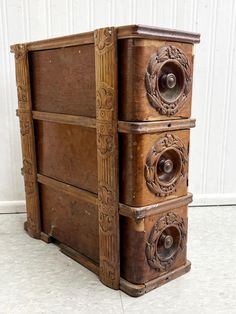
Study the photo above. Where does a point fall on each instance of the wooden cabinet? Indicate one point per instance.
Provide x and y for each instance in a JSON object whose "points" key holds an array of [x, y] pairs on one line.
{"points": [[105, 128]]}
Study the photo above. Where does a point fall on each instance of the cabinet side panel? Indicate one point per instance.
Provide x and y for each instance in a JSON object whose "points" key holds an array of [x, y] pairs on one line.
{"points": [[63, 80], [70, 220], [67, 153]]}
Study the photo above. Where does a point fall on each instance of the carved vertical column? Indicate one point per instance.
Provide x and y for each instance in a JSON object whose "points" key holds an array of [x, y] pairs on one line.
{"points": [[24, 112], [107, 150]]}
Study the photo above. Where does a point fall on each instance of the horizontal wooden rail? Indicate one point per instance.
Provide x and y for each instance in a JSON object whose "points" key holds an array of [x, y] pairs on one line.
{"points": [[123, 32], [65, 119], [67, 188], [141, 212], [123, 126], [155, 126]]}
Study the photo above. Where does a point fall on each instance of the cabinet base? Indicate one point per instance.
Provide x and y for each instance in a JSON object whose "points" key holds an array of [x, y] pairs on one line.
{"points": [[136, 290]]}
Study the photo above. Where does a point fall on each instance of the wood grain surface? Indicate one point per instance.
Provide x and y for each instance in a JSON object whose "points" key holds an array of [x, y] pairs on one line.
{"points": [[33, 223], [63, 80], [107, 155], [135, 235], [134, 190], [105, 149], [134, 57], [67, 153]]}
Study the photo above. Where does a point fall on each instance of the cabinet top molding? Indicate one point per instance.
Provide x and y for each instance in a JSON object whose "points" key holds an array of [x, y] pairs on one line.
{"points": [[127, 31]]}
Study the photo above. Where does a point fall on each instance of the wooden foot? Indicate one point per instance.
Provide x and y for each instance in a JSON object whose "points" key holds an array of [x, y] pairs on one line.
{"points": [[30, 232], [45, 237]]}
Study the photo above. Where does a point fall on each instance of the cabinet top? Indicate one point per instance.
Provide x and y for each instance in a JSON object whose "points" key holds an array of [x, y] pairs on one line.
{"points": [[123, 32]]}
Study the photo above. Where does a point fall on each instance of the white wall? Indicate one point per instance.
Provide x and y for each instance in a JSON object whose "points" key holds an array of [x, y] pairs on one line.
{"points": [[213, 146]]}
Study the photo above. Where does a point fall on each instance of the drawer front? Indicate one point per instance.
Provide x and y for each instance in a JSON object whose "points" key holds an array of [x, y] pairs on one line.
{"points": [[67, 153], [155, 80], [154, 245], [154, 167], [70, 220]]}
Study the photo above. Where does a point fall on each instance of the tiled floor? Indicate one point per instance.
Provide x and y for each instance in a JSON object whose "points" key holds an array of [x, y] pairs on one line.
{"points": [[36, 278]]}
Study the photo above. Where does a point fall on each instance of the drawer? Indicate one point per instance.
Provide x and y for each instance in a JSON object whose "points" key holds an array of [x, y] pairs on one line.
{"points": [[155, 79], [153, 245], [154, 167]]}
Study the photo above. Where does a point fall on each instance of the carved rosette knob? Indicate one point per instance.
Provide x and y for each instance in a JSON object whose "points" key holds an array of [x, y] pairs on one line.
{"points": [[167, 239], [166, 165], [168, 80]]}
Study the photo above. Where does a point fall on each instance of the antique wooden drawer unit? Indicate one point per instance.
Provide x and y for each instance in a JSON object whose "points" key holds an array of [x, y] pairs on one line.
{"points": [[105, 120]]}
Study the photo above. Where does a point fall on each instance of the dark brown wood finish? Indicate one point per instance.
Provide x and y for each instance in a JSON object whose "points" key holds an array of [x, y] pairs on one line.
{"points": [[69, 189], [125, 215], [63, 80], [61, 154], [70, 220], [154, 126], [149, 210], [143, 256], [140, 158], [136, 290], [64, 119], [135, 71]]}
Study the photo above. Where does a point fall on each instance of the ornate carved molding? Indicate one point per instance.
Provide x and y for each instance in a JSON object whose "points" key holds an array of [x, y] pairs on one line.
{"points": [[20, 51], [172, 57], [22, 93], [171, 146], [104, 38], [167, 239], [27, 167], [104, 138], [27, 139], [107, 155], [24, 127]]}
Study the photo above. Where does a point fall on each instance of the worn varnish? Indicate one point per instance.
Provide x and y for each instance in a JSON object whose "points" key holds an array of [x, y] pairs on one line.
{"points": [[105, 122], [140, 61], [143, 180], [59, 83]]}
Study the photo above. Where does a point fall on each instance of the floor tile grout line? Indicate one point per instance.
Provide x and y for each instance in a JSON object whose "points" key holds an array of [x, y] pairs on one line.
{"points": [[16, 213], [121, 301]]}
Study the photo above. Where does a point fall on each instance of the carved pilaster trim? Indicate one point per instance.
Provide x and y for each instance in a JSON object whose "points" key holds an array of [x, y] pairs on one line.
{"points": [[174, 56], [27, 140], [107, 155]]}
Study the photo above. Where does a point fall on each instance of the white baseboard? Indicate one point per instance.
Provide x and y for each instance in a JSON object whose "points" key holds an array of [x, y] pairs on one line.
{"points": [[219, 199], [11, 207], [8, 207]]}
